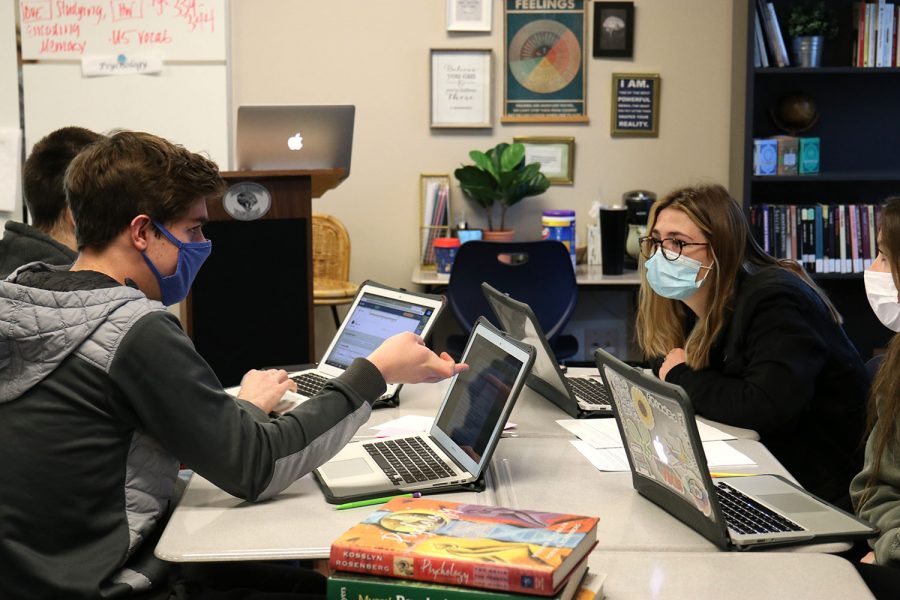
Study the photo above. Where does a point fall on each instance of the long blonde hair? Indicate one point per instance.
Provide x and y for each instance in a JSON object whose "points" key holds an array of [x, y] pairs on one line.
{"points": [[660, 321], [884, 396]]}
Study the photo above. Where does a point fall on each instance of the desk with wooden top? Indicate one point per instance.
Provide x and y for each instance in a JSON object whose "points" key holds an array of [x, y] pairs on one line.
{"points": [[587, 276]]}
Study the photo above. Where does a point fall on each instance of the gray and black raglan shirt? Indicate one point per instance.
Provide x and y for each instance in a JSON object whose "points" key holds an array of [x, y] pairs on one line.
{"points": [[101, 396]]}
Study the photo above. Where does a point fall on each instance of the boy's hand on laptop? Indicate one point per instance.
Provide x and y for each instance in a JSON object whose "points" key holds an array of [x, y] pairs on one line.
{"points": [[264, 389], [404, 358]]}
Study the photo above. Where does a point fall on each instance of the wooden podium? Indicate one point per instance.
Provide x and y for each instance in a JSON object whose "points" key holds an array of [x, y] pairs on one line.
{"points": [[251, 304]]}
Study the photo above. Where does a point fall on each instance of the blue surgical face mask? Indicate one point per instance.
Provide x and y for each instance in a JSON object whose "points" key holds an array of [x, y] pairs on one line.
{"points": [[191, 256], [674, 279]]}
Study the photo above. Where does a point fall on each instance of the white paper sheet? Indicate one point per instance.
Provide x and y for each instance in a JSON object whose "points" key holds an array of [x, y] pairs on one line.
{"points": [[604, 433], [409, 424], [718, 454]]}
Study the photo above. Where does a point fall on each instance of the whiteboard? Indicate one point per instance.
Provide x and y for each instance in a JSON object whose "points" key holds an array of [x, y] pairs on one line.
{"points": [[186, 104], [70, 29]]}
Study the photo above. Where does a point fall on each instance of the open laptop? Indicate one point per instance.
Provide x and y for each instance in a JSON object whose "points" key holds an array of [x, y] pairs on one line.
{"points": [[456, 451], [377, 313], [668, 467], [294, 137], [578, 396]]}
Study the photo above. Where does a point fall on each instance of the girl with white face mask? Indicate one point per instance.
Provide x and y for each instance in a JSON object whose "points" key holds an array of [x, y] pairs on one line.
{"points": [[751, 338], [876, 489]]}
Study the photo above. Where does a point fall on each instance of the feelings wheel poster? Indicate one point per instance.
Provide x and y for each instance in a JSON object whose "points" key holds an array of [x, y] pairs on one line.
{"points": [[545, 61]]}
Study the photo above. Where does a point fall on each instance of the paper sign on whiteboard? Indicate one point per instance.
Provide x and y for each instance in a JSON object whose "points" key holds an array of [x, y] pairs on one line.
{"points": [[10, 151], [121, 64]]}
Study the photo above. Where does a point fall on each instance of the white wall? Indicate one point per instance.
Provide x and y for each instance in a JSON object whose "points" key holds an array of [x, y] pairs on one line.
{"points": [[9, 90], [375, 54]]}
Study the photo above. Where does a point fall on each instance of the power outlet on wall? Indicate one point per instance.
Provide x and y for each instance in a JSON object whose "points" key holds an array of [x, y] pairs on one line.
{"points": [[609, 336]]}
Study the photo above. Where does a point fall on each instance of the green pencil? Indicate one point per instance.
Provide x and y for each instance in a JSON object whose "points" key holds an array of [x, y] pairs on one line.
{"points": [[372, 501]]}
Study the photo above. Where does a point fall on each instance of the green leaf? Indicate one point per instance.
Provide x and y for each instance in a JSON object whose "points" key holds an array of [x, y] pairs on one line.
{"points": [[512, 157]]}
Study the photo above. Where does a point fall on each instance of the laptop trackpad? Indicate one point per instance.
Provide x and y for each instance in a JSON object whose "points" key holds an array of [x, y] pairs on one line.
{"points": [[791, 503], [345, 468]]}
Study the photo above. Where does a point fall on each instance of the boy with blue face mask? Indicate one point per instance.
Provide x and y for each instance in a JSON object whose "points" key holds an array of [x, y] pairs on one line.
{"points": [[102, 395], [750, 338]]}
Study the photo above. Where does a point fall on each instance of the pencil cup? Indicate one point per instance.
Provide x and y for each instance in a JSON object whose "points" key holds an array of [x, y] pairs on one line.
{"points": [[444, 253]]}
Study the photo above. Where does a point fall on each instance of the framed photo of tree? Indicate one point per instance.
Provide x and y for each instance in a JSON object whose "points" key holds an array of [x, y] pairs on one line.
{"points": [[613, 29]]}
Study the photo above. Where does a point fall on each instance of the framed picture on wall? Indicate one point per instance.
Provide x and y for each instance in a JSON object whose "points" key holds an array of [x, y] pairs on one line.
{"points": [[544, 80], [635, 105], [469, 15], [613, 29], [555, 154], [461, 88]]}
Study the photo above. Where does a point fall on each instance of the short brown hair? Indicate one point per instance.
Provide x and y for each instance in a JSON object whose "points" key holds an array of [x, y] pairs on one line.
{"points": [[132, 173], [45, 170]]}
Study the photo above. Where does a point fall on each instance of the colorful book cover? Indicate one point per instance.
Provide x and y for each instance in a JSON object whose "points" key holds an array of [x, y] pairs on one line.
{"points": [[467, 545], [809, 155], [354, 586]]}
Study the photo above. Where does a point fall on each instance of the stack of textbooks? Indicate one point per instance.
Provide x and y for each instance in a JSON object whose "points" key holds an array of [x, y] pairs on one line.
{"points": [[426, 549]]}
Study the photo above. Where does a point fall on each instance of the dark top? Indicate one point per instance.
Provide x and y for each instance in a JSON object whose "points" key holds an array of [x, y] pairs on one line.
{"points": [[22, 244], [784, 368]]}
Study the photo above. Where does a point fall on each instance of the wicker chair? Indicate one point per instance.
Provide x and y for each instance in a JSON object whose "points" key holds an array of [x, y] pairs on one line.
{"points": [[331, 264]]}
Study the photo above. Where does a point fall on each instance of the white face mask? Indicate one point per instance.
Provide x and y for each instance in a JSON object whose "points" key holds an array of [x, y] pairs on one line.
{"points": [[882, 294]]}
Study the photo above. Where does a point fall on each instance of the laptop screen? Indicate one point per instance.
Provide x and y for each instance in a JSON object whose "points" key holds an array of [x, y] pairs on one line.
{"points": [[471, 412], [375, 319], [657, 441]]}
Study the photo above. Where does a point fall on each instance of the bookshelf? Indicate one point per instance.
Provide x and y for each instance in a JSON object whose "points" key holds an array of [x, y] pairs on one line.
{"points": [[857, 123]]}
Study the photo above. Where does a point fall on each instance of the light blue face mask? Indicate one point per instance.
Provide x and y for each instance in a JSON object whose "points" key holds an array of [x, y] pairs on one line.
{"points": [[674, 279], [191, 255]]}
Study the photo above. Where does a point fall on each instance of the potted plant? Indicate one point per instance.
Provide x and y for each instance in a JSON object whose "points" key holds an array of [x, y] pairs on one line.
{"points": [[809, 24], [500, 176]]}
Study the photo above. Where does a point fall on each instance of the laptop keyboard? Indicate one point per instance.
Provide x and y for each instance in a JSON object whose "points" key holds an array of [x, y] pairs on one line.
{"points": [[407, 460], [309, 384], [745, 515], [590, 390]]}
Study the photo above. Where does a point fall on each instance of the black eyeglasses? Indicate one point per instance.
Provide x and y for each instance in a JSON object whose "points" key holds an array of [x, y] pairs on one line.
{"points": [[671, 247]]}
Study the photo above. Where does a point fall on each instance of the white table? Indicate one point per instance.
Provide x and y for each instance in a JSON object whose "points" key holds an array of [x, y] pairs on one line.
{"points": [[727, 576]]}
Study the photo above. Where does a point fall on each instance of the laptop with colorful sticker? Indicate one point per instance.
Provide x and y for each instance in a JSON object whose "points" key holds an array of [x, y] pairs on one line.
{"points": [[657, 424]]}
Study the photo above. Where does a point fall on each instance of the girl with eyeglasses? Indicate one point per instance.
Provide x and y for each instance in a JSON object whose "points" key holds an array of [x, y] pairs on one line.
{"points": [[753, 341]]}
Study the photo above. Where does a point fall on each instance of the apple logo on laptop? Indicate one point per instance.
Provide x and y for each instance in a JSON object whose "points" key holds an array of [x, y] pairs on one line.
{"points": [[295, 142]]}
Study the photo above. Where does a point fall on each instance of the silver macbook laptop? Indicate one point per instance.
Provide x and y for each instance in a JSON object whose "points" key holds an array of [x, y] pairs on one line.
{"points": [[578, 396], [668, 467], [294, 137], [458, 448], [377, 313]]}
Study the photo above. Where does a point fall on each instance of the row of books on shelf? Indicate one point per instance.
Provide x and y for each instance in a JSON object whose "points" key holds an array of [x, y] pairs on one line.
{"points": [[824, 238], [786, 155], [769, 48], [875, 27], [427, 549]]}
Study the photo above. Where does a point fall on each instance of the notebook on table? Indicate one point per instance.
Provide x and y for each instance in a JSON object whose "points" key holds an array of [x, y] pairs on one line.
{"points": [[578, 396], [294, 137], [659, 431], [457, 449], [377, 313]]}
